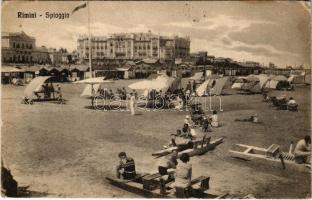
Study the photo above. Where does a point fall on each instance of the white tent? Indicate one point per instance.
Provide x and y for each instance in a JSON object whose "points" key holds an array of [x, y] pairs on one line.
{"points": [[88, 90], [197, 76], [202, 89], [93, 84], [35, 86], [217, 83], [218, 87], [296, 79], [162, 83], [239, 82], [262, 79], [274, 80]]}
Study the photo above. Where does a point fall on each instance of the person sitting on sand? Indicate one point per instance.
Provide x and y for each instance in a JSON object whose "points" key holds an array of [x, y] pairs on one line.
{"points": [[266, 97], [126, 167], [59, 91], [173, 137], [197, 113], [302, 150], [186, 131], [214, 119], [292, 104], [187, 120], [205, 124]]}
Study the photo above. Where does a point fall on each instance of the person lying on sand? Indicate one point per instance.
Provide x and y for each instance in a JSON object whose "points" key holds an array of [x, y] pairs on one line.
{"points": [[252, 119]]}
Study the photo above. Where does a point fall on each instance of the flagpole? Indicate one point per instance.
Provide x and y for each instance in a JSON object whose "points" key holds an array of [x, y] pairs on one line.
{"points": [[89, 32]]}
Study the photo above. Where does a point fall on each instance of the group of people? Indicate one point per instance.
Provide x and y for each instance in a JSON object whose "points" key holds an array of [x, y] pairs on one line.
{"points": [[282, 102], [190, 89], [122, 93], [49, 91], [199, 118], [170, 167]]}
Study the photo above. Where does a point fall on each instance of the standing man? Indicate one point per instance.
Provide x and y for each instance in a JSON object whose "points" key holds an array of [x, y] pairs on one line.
{"points": [[59, 91], [303, 150], [194, 87], [126, 167], [132, 103], [124, 93]]}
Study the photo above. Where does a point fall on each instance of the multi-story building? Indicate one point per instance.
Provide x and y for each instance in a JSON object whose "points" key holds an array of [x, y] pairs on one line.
{"points": [[134, 46], [41, 55], [17, 47], [252, 64], [55, 56]]}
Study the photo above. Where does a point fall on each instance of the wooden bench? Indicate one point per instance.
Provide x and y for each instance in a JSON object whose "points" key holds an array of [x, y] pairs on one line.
{"points": [[288, 156], [272, 151], [194, 190], [151, 182]]}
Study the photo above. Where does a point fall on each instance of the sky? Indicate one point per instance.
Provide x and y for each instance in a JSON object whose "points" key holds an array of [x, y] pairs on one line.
{"points": [[262, 31]]}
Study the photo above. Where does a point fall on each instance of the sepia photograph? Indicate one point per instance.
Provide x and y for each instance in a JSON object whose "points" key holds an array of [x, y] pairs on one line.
{"points": [[156, 99]]}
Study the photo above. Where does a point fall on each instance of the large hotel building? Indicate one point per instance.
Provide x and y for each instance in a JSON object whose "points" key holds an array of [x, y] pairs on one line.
{"points": [[134, 46]]}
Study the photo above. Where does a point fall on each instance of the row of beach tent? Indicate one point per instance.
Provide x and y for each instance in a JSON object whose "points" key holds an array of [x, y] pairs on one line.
{"points": [[256, 83]]}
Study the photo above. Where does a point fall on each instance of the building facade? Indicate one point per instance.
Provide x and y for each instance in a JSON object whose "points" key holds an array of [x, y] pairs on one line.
{"points": [[41, 55], [17, 47], [134, 46], [55, 56]]}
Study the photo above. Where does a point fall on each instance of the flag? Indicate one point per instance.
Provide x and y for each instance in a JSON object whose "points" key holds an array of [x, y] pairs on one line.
{"points": [[79, 7]]}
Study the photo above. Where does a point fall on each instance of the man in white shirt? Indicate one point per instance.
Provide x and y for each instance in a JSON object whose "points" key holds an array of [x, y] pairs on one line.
{"points": [[291, 101], [183, 175], [292, 104]]}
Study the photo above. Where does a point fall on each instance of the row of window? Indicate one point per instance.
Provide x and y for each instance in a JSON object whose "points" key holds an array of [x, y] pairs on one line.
{"points": [[22, 46], [18, 58]]}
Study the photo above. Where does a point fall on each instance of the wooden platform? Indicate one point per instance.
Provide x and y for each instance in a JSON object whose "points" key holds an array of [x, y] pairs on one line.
{"points": [[283, 160], [152, 186], [200, 147]]}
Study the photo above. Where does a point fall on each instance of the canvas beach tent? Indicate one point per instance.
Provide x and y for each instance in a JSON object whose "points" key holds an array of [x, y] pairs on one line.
{"points": [[92, 84], [162, 83], [250, 82], [263, 78], [296, 79], [214, 85], [238, 83], [197, 77], [259, 85], [273, 81], [35, 85], [176, 84], [87, 92], [220, 83]]}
